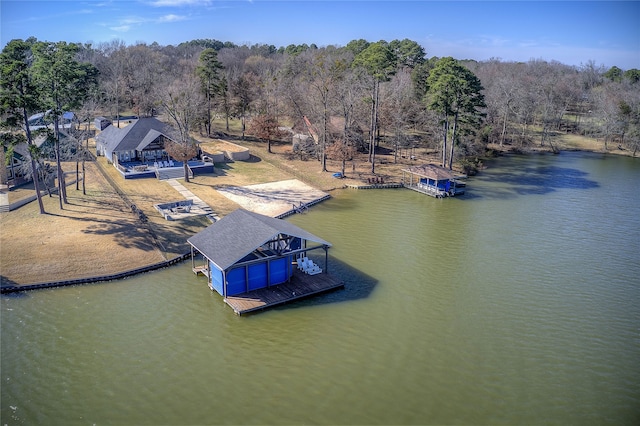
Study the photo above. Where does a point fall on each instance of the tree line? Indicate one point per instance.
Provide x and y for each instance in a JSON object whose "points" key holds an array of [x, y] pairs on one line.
{"points": [[353, 98]]}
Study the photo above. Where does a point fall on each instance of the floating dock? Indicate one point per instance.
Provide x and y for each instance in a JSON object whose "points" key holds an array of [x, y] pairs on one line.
{"points": [[299, 286]]}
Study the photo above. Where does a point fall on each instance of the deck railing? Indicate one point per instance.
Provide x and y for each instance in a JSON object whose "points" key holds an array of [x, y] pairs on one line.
{"points": [[429, 190]]}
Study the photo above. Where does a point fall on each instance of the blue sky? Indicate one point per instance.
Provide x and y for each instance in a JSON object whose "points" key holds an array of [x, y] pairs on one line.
{"points": [[572, 32]]}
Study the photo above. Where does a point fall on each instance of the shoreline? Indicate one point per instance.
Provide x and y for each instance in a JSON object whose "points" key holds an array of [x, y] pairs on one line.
{"points": [[5, 289], [64, 278]]}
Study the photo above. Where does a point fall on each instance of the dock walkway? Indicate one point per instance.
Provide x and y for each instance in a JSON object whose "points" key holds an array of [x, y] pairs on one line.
{"points": [[374, 186], [300, 286]]}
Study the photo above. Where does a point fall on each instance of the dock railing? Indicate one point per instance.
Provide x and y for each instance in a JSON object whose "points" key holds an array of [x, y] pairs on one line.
{"points": [[434, 191]]}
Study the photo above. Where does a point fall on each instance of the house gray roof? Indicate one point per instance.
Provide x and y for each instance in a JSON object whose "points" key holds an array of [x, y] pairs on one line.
{"points": [[150, 137], [42, 139], [135, 136], [236, 235], [107, 134]]}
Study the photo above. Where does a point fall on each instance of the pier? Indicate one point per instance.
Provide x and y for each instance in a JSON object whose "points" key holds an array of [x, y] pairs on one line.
{"points": [[299, 286]]}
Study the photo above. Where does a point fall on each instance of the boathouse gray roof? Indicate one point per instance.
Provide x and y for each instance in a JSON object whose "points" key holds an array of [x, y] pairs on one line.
{"points": [[236, 235], [431, 171], [135, 136]]}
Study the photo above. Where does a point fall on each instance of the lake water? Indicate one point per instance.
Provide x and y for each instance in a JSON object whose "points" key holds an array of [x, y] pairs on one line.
{"points": [[518, 303]]}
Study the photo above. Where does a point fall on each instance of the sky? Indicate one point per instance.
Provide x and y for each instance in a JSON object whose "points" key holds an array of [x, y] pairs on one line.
{"points": [[606, 33]]}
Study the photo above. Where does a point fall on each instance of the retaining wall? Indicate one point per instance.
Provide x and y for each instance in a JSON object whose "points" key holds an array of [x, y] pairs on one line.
{"points": [[90, 280], [242, 154]]}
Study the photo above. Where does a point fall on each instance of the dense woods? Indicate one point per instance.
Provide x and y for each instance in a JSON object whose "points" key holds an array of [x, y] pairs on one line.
{"points": [[355, 98]]}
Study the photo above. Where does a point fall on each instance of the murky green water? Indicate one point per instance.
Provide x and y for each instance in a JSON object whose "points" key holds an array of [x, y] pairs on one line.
{"points": [[518, 303]]}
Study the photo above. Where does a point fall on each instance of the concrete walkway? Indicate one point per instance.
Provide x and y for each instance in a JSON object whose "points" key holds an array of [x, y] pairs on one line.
{"points": [[4, 199], [198, 204]]}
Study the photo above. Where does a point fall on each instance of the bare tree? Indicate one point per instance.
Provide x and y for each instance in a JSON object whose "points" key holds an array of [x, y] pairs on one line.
{"points": [[143, 68], [183, 102], [400, 110], [341, 151], [379, 61], [112, 65], [267, 128], [326, 70]]}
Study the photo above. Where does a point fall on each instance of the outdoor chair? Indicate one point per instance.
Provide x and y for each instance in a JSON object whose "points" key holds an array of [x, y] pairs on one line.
{"points": [[312, 268], [314, 271], [303, 263]]}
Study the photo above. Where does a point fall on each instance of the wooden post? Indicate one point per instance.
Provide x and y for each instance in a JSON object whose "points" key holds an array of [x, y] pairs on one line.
{"points": [[224, 283], [326, 259]]}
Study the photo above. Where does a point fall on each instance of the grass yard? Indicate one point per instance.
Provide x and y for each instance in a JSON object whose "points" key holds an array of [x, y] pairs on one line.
{"points": [[94, 235]]}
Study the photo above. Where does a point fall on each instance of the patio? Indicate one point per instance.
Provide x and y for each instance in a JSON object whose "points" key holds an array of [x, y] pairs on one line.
{"points": [[150, 169]]}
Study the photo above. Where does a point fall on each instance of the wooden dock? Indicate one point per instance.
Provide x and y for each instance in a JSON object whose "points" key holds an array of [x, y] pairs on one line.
{"points": [[300, 286], [435, 191], [374, 186]]}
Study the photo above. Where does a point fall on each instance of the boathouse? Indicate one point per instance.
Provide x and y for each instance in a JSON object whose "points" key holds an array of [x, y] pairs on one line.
{"points": [[256, 261], [433, 180]]}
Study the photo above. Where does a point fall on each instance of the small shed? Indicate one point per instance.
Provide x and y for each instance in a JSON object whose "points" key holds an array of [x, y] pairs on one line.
{"points": [[245, 252], [433, 180], [101, 123]]}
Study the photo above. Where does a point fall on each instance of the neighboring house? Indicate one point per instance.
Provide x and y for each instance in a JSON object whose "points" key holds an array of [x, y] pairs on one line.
{"points": [[19, 166], [245, 252], [140, 141], [47, 145], [42, 120], [306, 135], [15, 166]]}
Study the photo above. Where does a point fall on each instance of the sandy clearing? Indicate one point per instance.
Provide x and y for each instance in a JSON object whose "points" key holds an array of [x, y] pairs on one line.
{"points": [[274, 198]]}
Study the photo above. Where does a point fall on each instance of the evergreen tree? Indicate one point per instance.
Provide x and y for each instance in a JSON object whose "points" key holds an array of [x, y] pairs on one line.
{"points": [[456, 94], [63, 84], [18, 96]]}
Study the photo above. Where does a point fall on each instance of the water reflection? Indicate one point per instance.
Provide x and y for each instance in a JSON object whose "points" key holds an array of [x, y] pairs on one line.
{"points": [[519, 177]]}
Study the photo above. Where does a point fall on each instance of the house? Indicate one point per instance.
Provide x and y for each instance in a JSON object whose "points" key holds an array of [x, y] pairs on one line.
{"points": [[255, 261], [18, 167], [137, 151], [433, 180], [140, 141]]}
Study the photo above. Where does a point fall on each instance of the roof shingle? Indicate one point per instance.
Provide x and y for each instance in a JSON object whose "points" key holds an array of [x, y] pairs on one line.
{"points": [[236, 235]]}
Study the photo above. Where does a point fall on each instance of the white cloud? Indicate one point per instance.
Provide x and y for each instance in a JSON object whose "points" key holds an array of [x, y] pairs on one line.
{"points": [[134, 20], [171, 18], [121, 28], [174, 3], [130, 22]]}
